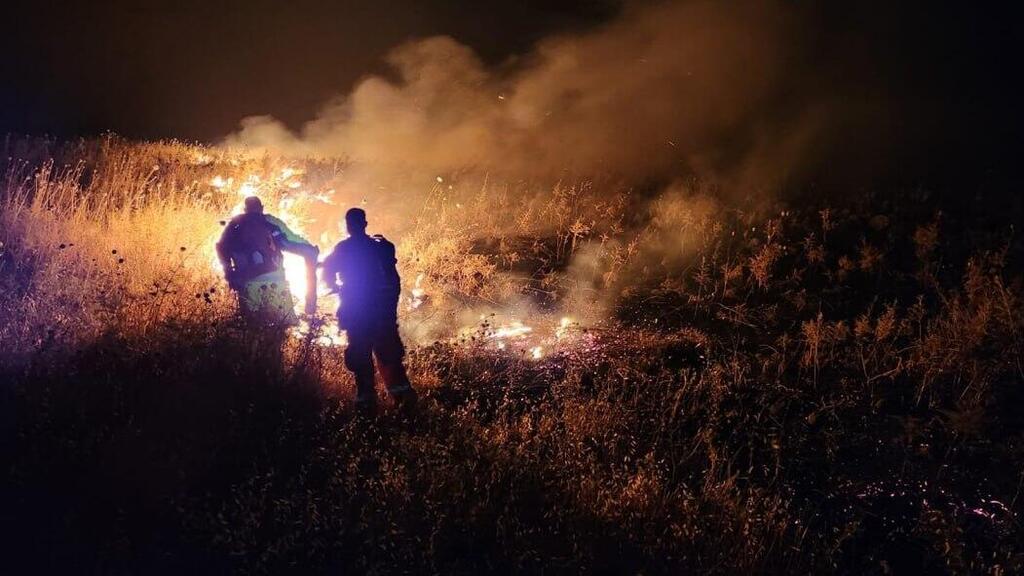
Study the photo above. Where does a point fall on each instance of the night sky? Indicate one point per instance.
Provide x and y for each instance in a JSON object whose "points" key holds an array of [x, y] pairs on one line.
{"points": [[192, 70]]}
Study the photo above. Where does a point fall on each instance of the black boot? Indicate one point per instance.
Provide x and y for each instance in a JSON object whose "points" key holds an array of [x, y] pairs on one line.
{"points": [[366, 409], [406, 402]]}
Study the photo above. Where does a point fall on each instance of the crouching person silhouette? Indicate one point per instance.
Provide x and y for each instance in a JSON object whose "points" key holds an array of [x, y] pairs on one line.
{"points": [[369, 289]]}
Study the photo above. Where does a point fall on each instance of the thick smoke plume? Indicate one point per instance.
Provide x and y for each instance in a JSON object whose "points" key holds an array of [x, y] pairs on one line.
{"points": [[684, 88], [594, 164]]}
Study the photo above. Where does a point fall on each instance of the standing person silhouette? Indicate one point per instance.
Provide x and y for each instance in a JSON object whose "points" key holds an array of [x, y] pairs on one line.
{"points": [[369, 289]]}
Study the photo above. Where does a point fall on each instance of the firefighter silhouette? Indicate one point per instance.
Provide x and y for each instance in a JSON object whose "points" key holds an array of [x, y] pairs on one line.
{"points": [[369, 289], [250, 250]]}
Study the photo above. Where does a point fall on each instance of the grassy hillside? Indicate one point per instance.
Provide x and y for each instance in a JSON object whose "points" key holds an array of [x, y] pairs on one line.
{"points": [[740, 384]]}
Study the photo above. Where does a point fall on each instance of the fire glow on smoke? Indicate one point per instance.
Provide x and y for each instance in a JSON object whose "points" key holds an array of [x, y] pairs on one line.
{"points": [[286, 197]]}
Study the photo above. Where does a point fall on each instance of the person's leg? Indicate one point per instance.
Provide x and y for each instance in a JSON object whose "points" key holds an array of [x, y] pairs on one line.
{"points": [[250, 300], [268, 300], [265, 337], [359, 360], [279, 307], [390, 352]]}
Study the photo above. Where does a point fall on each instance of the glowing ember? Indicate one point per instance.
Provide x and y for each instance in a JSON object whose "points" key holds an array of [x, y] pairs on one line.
{"points": [[321, 335], [527, 342], [202, 159], [327, 196], [418, 294], [513, 330], [249, 187], [565, 326]]}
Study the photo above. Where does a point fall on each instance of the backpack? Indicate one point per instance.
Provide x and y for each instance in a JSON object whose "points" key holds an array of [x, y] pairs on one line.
{"points": [[389, 271], [254, 248]]}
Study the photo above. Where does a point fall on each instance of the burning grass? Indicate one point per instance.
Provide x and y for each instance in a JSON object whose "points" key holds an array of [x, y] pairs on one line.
{"points": [[611, 382]]}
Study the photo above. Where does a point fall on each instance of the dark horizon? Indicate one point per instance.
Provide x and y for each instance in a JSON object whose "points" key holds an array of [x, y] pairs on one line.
{"points": [[193, 71]]}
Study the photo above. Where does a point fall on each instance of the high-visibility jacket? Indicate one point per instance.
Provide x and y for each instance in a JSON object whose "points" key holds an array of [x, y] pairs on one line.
{"points": [[252, 245], [250, 250]]}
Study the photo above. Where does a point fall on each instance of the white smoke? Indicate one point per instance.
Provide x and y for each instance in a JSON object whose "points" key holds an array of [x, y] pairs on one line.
{"points": [[667, 89]]}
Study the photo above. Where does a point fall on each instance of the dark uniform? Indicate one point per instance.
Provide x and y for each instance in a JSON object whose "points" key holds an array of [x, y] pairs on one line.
{"points": [[369, 291]]}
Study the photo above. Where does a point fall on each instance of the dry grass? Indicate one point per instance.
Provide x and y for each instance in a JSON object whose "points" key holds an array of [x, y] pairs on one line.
{"points": [[776, 391]]}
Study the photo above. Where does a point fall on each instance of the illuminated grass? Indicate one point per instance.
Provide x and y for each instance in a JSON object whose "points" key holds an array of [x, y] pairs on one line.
{"points": [[748, 388]]}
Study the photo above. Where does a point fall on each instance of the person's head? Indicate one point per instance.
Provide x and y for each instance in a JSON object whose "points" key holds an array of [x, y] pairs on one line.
{"points": [[355, 221], [253, 205]]}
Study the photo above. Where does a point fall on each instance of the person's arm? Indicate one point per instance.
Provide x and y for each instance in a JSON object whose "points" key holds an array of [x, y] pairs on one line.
{"points": [[331, 270], [222, 249], [292, 242], [224, 253]]}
